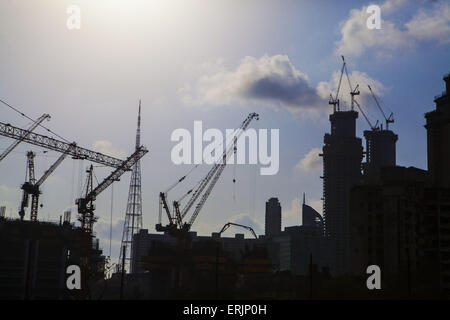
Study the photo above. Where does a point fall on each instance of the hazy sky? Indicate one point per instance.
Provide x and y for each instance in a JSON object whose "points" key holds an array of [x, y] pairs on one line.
{"points": [[214, 61]]}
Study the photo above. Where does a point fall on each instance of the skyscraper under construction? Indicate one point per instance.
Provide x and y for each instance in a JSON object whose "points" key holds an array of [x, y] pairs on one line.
{"points": [[342, 156]]}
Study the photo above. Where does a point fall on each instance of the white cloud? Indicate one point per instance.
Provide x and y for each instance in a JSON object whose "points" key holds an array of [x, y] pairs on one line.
{"points": [[427, 24], [106, 147], [431, 24], [311, 161], [270, 80]]}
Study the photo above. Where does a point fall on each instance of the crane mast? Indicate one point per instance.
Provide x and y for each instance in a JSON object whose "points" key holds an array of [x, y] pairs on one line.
{"points": [[32, 187]]}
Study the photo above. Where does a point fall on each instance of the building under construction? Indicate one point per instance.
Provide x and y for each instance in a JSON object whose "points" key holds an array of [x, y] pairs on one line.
{"points": [[342, 155], [34, 257], [207, 264]]}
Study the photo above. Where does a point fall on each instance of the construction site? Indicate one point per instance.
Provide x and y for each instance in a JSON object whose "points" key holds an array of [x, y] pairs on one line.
{"points": [[323, 257]]}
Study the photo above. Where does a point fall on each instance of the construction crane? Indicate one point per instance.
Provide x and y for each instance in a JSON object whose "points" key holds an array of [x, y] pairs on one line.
{"points": [[177, 225], [372, 127], [335, 100], [229, 224], [86, 204], [389, 119], [76, 152], [27, 132], [31, 187], [354, 92]]}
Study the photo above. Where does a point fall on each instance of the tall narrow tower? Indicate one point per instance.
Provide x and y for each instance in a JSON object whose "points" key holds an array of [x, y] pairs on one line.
{"points": [[342, 155], [133, 217]]}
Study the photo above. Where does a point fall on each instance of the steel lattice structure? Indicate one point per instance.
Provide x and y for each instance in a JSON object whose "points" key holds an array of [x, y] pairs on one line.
{"points": [[133, 214], [71, 149]]}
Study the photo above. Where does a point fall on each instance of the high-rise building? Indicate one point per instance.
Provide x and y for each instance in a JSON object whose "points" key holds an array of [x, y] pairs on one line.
{"points": [[342, 156], [273, 217], [438, 139]]}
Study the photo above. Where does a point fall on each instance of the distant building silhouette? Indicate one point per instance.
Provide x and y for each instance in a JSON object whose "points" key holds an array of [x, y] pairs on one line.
{"points": [[292, 248], [273, 217], [342, 156], [310, 217]]}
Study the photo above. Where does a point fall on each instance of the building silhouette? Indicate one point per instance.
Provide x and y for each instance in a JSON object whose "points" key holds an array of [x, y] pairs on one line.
{"points": [[34, 256], [400, 217], [436, 201], [273, 217], [438, 139], [311, 218], [380, 152], [297, 247], [342, 156]]}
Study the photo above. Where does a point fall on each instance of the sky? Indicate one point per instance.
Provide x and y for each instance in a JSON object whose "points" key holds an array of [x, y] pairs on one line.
{"points": [[214, 61]]}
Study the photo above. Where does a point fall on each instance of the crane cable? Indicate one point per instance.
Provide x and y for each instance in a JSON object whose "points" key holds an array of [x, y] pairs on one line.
{"points": [[40, 125]]}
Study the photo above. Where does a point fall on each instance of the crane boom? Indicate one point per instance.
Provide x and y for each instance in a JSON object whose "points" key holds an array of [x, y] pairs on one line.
{"points": [[387, 119], [335, 101], [52, 168], [227, 225], [365, 117], [18, 141], [214, 174], [127, 165], [76, 152], [86, 205]]}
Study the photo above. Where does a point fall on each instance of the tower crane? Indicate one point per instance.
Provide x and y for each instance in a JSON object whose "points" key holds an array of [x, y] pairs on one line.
{"points": [[389, 119], [177, 226], [355, 92], [335, 100], [26, 133], [31, 187], [86, 206]]}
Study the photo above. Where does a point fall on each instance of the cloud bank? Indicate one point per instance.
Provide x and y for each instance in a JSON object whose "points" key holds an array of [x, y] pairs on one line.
{"points": [[270, 80], [427, 24]]}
